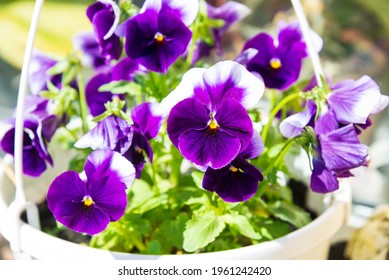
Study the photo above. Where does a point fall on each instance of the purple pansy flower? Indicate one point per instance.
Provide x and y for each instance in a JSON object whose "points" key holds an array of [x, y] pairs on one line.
{"points": [[336, 153], [123, 70], [278, 61], [39, 127], [92, 54], [158, 35], [147, 122], [230, 12], [87, 202], [237, 181], [349, 102], [104, 16], [208, 121], [38, 76], [112, 133]]}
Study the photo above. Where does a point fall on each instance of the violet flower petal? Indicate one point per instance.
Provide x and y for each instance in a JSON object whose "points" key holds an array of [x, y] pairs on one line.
{"points": [[145, 117], [294, 124], [203, 148], [234, 119], [341, 149], [322, 179], [186, 115], [108, 163], [353, 101], [74, 216], [254, 148]]}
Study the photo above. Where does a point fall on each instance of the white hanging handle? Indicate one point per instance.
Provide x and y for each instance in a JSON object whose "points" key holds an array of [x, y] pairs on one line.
{"points": [[307, 34], [20, 203]]}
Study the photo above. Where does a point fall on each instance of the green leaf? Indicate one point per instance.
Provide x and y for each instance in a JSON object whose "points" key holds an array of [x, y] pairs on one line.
{"points": [[289, 213], [198, 178], [153, 248], [202, 229], [122, 87], [242, 224]]}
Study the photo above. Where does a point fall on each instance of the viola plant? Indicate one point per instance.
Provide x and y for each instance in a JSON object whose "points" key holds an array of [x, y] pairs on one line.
{"points": [[176, 148]]}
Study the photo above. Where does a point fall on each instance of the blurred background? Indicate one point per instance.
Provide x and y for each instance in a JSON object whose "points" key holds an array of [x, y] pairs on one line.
{"points": [[356, 43]]}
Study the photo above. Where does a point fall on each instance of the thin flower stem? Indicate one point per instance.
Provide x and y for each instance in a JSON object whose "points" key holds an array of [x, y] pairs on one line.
{"points": [[280, 156], [83, 106], [274, 112]]}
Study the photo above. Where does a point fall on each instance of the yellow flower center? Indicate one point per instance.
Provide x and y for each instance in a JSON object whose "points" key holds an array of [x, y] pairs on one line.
{"points": [[159, 37], [115, 99], [88, 201], [213, 124], [234, 169], [138, 150], [275, 63]]}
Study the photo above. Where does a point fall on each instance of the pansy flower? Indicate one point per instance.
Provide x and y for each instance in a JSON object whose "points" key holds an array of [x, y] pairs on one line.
{"points": [[39, 127], [279, 60], [237, 181], [38, 73], [158, 35], [349, 102], [88, 202], [112, 133], [104, 16], [147, 122], [335, 154], [123, 70], [230, 12], [208, 121], [92, 55]]}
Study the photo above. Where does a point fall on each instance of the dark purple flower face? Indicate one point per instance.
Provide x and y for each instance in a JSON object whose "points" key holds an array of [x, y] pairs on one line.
{"points": [[235, 182], [156, 37], [278, 64], [112, 133], [86, 203], [238, 181], [211, 126], [35, 153], [104, 16]]}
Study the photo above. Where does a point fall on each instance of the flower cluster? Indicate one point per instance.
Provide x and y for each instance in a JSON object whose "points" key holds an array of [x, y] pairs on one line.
{"points": [[165, 140]]}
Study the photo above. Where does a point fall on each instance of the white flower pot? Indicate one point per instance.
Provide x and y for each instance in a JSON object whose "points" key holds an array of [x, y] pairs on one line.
{"points": [[310, 242]]}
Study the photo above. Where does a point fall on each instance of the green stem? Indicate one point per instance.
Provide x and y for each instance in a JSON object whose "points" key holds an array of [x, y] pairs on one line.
{"points": [[280, 156], [83, 106], [274, 112]]}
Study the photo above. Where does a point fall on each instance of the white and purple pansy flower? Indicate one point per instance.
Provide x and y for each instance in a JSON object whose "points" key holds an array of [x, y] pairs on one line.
{"points": [[354, 101], [208, 121], [112, 133], [124, 70], [237, 181], [38, 72], [279, 60], [147, 123], [88, 202], [104, 16], [158, 35], [39, 127]]}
